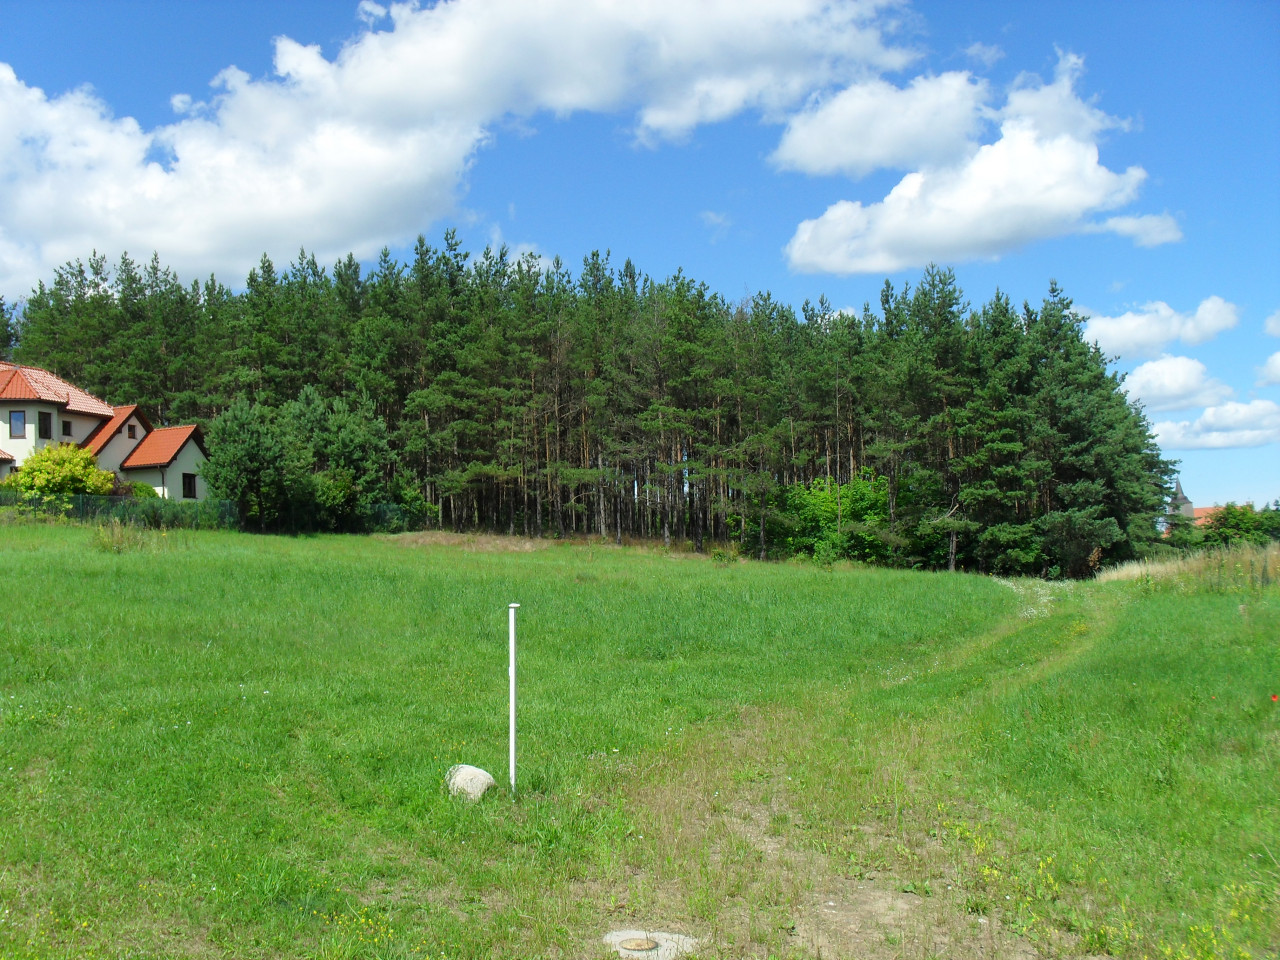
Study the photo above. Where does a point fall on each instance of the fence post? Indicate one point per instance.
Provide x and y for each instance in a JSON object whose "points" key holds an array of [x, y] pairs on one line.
{"points": [[511, 669]]}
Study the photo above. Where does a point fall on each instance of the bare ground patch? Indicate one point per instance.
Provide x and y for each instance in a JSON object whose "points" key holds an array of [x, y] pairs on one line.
{"points": [[471, 542], [730, 856], [518, 543]]}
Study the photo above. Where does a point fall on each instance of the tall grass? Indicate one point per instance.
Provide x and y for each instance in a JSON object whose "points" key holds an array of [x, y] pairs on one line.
{"points": [[1241, 566]]}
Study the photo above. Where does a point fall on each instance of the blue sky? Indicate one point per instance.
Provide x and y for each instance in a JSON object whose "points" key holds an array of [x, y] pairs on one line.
{"points": [[1129, 151]]}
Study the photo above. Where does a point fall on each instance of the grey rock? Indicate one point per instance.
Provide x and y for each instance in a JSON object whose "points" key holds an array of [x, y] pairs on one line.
{"points": [[468, 781]]}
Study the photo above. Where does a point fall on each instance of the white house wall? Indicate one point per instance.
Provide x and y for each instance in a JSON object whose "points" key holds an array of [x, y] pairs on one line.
{"points": [[120, 446], [188, 460], [167, 481], [21, 448]]}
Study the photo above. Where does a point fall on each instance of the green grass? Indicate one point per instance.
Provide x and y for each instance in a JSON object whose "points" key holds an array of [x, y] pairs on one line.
{"points": [[216, 744]]}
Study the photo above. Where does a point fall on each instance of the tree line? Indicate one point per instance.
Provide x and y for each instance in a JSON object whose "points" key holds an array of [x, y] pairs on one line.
{"points": [[491, 393]]}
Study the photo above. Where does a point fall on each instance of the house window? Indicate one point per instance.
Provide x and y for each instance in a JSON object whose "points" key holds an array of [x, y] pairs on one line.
{"points": [[17, 424], [66, 428], [133, 432], [44, 425], [188, 486]]}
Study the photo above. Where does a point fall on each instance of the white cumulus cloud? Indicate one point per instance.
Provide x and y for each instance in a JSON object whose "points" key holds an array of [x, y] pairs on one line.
{"points": [[1232, 424], [1272, 324], [370, 147], [1041, 178], [1175, 383], [873, 125], [370, 12], [1148, 230], [1153, 326], [1270, 372]]}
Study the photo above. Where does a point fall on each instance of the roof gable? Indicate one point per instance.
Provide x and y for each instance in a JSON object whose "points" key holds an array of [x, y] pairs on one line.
{"points": [[31, 383], [159, 447], [14, 387], [104, 431]]}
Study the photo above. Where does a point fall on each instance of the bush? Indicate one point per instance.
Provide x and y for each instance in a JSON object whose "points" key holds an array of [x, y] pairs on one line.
{"points": [[831, 522], [1235, 524], [54, 474]]}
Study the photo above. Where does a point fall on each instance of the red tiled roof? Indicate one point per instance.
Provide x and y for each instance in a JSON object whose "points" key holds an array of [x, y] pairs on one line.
{"points": [[159, 447], [6, 456], [32, 383], [104, 431], [1202, 514], [14, 387]]}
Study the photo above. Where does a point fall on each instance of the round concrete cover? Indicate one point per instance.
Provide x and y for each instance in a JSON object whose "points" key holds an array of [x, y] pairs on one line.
{"points": [[666, 946]]}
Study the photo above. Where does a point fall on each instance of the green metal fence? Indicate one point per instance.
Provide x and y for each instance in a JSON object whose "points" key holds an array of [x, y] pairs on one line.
{"points": [[148, 512]]}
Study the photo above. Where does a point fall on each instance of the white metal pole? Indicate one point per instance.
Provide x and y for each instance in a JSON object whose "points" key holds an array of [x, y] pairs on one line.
{"points": [[511, 671]]}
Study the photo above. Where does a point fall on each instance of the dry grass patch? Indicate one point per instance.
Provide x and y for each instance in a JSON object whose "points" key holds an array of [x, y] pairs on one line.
{"points": [[517, 543], [1241, 566], [471, 542]]}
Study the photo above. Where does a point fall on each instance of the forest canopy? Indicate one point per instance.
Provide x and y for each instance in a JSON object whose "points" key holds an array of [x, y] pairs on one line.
{"points": [[490, 393]]}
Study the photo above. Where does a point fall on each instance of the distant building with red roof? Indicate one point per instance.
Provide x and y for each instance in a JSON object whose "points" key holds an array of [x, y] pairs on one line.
{"points": [[1204, 514], [39, 409]]}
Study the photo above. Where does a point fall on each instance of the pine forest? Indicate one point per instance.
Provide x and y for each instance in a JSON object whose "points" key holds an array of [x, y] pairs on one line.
{"points": [[499, 394]]}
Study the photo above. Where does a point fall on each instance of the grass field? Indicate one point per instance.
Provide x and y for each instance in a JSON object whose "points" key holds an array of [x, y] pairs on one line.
{"points": [[223, 745]]}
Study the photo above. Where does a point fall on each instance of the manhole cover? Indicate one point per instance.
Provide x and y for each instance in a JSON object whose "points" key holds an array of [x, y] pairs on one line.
{"points": [[650, 944]]}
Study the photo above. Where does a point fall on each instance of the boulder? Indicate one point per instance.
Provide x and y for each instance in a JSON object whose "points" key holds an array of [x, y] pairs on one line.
{"points": [[468, 781]]}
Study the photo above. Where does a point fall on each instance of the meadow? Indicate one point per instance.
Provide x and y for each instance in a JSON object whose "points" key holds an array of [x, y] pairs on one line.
{"points": [[216, 744]]}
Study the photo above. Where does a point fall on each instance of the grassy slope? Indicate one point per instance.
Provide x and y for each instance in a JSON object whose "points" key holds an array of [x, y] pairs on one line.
{"points": [[235, 745]]}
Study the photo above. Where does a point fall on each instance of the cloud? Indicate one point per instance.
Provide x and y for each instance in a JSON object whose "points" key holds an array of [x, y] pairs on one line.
{"points": [[1149, 230], [370, 147], [1270, 371], [717, 224], [516, 251], [1272, 324], [1175, 383], [1232, 424], [1041, 178], [986, 54], [1153, 326], [875, 124], [370, 13]]}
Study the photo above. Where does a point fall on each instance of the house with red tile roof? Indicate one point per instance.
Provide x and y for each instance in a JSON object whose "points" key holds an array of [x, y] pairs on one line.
{"points": [[39, 408], [169, 459]]}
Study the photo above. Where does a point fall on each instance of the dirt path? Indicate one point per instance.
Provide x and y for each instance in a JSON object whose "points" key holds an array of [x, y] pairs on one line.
{"points": [[737, 857]]}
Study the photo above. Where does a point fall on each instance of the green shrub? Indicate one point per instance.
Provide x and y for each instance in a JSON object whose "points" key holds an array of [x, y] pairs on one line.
{"points": [[54, 474]]}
